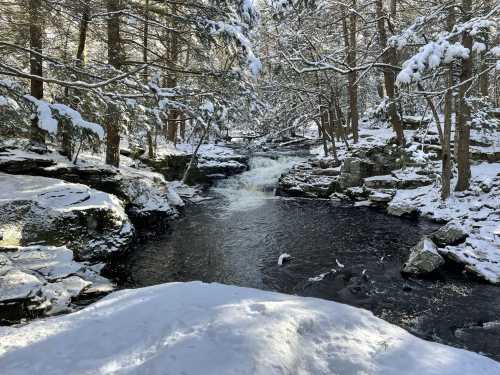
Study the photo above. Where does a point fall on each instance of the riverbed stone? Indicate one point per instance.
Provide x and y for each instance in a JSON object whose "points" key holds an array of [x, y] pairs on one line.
{"points": [[424, 258], [449, 235]]}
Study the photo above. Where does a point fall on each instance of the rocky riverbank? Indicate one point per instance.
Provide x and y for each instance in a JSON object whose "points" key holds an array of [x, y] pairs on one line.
{"points": [[61, 222], [406, 182]]}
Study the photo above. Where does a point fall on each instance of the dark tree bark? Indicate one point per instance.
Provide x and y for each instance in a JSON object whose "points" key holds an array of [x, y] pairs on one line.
{"points": [[464, 112], [390, 58], [173, 114], [448, 110], [82, 32], [145, 45], [350, 43], [484, 83], [115, 60], [36, 64]]}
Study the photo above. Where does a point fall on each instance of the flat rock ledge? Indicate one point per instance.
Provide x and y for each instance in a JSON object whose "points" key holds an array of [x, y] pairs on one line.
{"points": [[148, 200], [44, 280], [206, 168]]}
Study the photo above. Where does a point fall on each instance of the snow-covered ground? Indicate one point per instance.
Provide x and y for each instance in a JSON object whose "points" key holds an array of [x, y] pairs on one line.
{"points": [[477, 211], [195, 328]]}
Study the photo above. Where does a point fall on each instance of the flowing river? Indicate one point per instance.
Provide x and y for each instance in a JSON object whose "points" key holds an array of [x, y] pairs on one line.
{"points": [[338, 252]]}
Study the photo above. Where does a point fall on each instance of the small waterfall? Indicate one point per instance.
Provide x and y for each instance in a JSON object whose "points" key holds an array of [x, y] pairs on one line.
{"points": [[251, 188]]}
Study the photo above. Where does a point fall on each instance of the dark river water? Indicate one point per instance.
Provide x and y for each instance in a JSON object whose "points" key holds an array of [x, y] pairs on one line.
{"points": [[340, 253]]}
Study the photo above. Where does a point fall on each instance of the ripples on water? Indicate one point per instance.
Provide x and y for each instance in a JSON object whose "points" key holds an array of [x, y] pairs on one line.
{"points": [[341, 253]]}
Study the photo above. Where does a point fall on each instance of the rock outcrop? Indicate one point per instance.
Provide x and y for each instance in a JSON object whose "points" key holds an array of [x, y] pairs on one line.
{"points": [[146, 200], [300, 181], [205, 169], [49, 211], [44, 280]]}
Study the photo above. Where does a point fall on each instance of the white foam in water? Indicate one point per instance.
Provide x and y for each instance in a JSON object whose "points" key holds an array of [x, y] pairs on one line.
{"points": [[250, 189]]}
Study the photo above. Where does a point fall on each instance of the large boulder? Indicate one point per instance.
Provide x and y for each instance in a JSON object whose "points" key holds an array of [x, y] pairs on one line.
{"points": [[424, 258], [449, 235], [45, 210], [354, 170], [300, 181], [381, 197], [22, 162]]}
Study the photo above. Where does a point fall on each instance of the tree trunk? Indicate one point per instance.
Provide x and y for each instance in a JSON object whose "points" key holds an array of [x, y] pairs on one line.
{"points": [[65, 124], [448, 110], [82, 33], [36, 68], [145, 44], [463, 112], [484, 83], [389, 57], [445, 146], [350, 43], [173, 114], [115, 60]]}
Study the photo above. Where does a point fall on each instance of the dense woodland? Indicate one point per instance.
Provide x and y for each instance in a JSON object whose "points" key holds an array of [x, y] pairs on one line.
{"points": [[186, 70]]}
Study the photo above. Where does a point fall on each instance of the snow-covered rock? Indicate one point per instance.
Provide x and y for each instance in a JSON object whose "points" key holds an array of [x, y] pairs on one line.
{"points": [[43, 280], [44, 210], [424, 258], [354, 170], [195, 328], [411, 178], [380, 197], [381, 182], [145, 194], [212, 162], [450, 234], [401, 208], [60, 293], [300, 181], [480, 253]]}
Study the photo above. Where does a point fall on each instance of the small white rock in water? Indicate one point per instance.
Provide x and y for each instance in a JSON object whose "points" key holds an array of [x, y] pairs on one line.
{"points": [[339, 264], [284, 258]]}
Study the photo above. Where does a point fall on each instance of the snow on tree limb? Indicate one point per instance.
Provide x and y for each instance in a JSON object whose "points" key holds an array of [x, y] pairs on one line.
{"points": [[47, 122]]}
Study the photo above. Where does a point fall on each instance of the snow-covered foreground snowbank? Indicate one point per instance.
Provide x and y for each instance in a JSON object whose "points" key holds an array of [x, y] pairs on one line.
{"points": [[195, 328]]}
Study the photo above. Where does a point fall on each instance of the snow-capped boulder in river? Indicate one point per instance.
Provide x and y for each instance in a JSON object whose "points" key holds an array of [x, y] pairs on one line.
{"points": [[44, 210], [424, 258], [212, 329]]}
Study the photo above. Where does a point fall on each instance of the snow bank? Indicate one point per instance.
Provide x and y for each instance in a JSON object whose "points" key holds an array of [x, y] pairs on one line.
{"points": [[195, 328]]}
